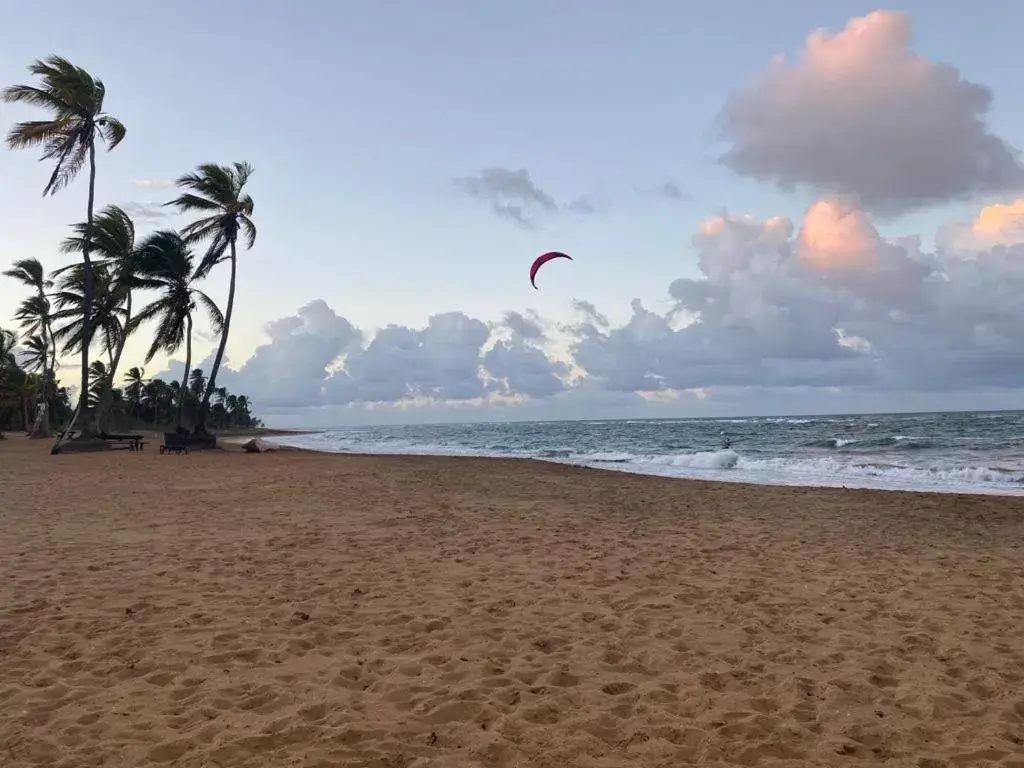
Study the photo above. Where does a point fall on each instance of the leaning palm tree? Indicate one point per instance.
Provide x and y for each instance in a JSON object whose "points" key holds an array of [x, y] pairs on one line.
{"points": [[74, 99], [35, 354], [107, 318], [217, 194], [113, 244], [167, 265], [34, 317]]}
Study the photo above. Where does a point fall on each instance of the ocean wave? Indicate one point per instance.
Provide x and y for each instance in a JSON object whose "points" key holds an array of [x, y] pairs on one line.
{"points": [[698, 460], [880, 462], [827, 472], [893, 442]]}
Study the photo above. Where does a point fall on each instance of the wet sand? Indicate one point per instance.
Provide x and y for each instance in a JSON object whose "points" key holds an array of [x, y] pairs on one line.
{"points": [[295, 609]]}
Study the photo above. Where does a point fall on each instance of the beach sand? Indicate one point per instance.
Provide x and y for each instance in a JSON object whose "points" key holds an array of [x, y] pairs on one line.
{"points": [[295, 609]]}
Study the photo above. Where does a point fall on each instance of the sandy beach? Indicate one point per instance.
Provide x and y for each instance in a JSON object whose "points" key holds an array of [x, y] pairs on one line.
{"points": [[297, 609]]}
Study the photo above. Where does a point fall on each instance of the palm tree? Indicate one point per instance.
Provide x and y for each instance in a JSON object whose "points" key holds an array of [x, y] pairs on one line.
{"points": [[166, 265], [135, 380], [157, 396], [34, 316], [97, 378], [113, 241], [74, 99], [35, 354], [8, 364], [8, 340], [108, 317], [216, 193], [197, 383]]}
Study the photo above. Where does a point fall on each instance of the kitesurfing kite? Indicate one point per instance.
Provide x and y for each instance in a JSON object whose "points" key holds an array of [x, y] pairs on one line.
{"points": [[543, 259]]}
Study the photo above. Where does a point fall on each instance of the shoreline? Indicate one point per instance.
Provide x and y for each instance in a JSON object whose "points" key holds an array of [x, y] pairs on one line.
{"points": [[636, 470]]}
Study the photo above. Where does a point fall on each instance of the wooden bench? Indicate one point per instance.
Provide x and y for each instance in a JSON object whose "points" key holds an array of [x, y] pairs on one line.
{"points": [[174, 442], [133, 442]]}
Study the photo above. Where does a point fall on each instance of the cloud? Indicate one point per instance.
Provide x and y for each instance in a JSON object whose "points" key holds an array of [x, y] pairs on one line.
{"points": [[153, 184], [667, 190], [522, 369], [148, 213], [528, 327], [440, 362], [998, 224], [513, 195], [585, 205], [317, 358], [289, 370], [826, 305], [834, 305], [862, 114]]}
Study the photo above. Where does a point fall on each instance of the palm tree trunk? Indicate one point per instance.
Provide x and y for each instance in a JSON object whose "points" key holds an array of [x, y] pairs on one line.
{"points": [[211, 384], [80, 420], [188, 366], [107, 397], [42, 428]]}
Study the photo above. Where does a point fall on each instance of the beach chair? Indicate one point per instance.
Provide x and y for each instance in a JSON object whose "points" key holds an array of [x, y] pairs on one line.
{"points": [[174, 442]]}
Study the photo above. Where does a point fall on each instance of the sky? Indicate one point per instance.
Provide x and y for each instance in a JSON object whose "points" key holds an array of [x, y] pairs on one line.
{"points": [[805, 208]]}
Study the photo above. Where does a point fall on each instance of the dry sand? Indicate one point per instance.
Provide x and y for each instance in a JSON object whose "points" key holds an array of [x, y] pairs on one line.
{"points": [[293, 609]]}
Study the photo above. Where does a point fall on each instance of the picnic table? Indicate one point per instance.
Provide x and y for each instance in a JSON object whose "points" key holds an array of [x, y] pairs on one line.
{"points": [[134, 442]]}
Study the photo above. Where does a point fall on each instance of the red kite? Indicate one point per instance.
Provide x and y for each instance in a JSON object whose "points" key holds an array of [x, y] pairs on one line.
{"points": [[543, 259]]}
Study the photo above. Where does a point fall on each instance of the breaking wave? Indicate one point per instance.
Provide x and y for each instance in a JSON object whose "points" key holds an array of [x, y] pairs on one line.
{"points": [[894, 462]]}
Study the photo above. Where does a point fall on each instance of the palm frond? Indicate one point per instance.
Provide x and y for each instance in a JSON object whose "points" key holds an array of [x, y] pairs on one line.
{"points": [[30, 272], [71, 158], [249, 230], [32, 133], [112, 130], [213, 313], [44, 98], [191, 202]]}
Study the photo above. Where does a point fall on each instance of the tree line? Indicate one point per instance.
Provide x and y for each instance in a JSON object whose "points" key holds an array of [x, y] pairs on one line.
{"points": [[139, 402], [92, 304]]}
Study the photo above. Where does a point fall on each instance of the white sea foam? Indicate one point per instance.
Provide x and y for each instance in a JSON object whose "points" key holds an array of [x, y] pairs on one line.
{"points": [[724, 465]]}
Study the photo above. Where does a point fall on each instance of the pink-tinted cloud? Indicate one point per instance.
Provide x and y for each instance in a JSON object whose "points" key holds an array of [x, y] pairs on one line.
{"points": [[153, 184], [837, 235], [860, 113], [998, 224]]}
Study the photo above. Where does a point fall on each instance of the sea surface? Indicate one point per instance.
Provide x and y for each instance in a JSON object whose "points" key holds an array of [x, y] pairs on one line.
{"points": [[944, 452]]}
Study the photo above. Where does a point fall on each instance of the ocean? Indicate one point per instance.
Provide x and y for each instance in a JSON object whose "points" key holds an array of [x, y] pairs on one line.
{"points": [[944, 452]]}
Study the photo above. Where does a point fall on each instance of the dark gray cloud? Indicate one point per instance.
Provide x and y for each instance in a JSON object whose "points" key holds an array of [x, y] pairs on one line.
{"points": [[861, 113]]}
